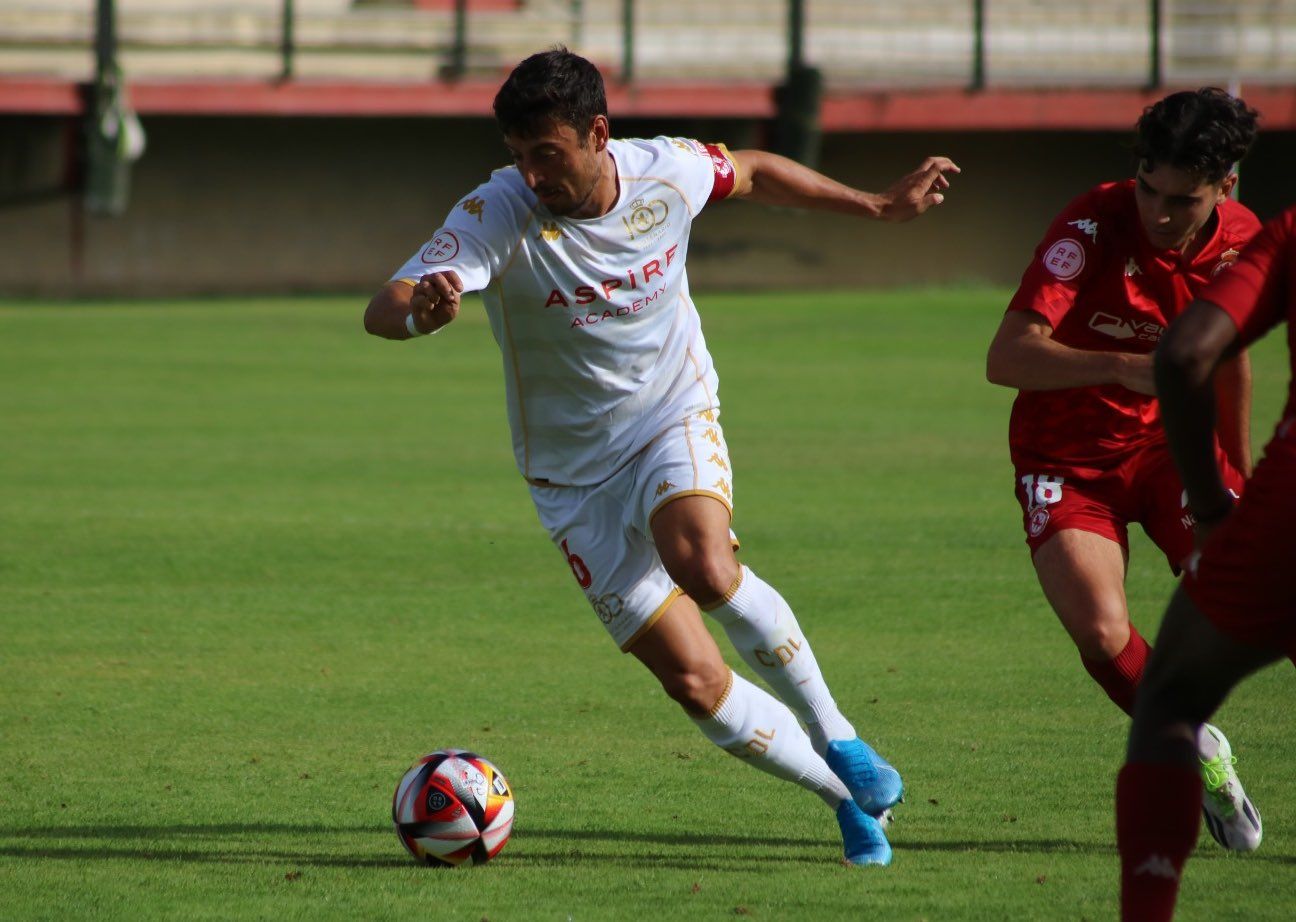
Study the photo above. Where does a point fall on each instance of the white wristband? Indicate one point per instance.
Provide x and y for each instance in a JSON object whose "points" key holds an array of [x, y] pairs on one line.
{"points": [[409, 325]]}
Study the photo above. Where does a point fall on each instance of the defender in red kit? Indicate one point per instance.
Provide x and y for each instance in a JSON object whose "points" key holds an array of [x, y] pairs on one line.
{"points": [[1115, 268], [1236, 609]]}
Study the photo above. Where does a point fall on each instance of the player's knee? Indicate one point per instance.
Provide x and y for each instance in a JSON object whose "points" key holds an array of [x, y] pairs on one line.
{"points": [[1101, 638], [706, 577], [697, 690]]}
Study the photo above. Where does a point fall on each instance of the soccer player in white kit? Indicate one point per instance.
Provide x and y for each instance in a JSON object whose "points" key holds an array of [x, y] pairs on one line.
{"points": [[579, 250]]}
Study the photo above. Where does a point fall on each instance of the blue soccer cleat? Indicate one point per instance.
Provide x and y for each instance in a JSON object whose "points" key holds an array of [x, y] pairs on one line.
{"points": [[863, 841], [872, 781]]}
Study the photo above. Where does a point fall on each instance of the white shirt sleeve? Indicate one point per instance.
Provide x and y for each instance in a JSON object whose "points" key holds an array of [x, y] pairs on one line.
{"points": [[706, 172], [475, 241]]}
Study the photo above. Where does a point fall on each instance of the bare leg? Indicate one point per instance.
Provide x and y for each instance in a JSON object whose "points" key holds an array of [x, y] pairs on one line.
{"points": [[1083, 578]]}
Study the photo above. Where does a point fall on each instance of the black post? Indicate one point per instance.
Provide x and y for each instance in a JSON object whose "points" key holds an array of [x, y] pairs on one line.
{"points": [[459, 50], [796, 35], [978, 45], [105, 39], [113, 137], [627, 41], [798, 99], [577, 24], [287, 41], [1156, 66]]}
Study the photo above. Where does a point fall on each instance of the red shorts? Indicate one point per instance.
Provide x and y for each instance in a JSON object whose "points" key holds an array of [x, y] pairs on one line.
{"points": [[1245, 581], [1144, 488]]}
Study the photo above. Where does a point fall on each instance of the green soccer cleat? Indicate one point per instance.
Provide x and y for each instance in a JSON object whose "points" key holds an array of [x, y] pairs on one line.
{"points": [[1232, 819]]}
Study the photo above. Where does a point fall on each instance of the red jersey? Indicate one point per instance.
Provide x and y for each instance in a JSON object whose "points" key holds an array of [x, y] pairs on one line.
{"points": [[1102, 286], [1261, 292]]}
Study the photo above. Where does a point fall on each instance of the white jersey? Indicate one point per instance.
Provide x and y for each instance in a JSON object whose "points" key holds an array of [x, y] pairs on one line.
{"points": [[601, 344]]}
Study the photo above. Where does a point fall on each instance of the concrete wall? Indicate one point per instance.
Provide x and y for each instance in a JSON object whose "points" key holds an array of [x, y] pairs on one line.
{"points": [[263, 205]]}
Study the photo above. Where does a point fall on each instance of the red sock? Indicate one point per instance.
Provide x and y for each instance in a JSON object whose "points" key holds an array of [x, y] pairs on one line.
{"points": [[1158, 812], [1120, 677]]}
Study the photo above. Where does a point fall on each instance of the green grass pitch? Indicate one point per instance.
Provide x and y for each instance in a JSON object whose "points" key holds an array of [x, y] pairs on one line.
{"points": [[254, 562]]}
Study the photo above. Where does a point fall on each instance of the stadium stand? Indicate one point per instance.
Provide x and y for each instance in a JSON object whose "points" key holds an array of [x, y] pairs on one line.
{"points": [[874, 43], [1041, 96]]}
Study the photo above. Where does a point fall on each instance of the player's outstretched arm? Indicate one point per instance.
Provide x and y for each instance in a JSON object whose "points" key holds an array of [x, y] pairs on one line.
{"points": [[402, 311], [774, 180], [1186, 360], [1024, 355]]}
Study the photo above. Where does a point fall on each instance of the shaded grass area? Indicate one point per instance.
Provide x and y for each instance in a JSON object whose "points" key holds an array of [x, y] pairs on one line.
{"points": [[253, 563]]}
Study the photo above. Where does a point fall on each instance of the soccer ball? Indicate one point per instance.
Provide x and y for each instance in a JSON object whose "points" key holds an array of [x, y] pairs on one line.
{"points": [[453, 807]]}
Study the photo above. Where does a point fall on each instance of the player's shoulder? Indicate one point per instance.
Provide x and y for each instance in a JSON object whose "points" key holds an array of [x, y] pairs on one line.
{"points": [[662, 152], [1238, 223], [507, 187], [1093, 216], [1110, 200], [498, 204], [1282, 229]]}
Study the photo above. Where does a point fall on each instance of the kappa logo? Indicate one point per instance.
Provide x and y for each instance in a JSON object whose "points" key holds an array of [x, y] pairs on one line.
{"points": [[1158, 866], [718, 461], [723, 486], [1065, 259], [1132, 268], [1086, 226], [1120, 328], [474, 206], [550, 231], [664, 487]]}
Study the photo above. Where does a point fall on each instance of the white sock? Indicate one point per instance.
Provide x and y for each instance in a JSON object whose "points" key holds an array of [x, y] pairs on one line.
{"points": [[752, 725], [763, 630], [1207, 745]]}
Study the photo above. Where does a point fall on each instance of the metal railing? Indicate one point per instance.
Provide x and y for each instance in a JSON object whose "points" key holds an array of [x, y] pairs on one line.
{"points": [[864, 43]]}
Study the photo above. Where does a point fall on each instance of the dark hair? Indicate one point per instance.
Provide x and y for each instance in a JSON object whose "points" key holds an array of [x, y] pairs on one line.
{"points": [[554, 85], [1203, 132]]}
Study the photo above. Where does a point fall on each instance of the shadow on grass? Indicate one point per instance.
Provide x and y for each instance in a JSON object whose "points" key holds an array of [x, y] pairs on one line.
{"points": [[243, 843]]}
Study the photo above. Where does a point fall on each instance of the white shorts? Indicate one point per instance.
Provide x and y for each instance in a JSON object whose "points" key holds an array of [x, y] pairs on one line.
{"points": [[603, 531]]}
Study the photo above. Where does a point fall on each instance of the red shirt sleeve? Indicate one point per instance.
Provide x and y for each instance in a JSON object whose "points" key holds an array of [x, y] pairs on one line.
{"points": [[1067, 256], [1253, 291]]}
